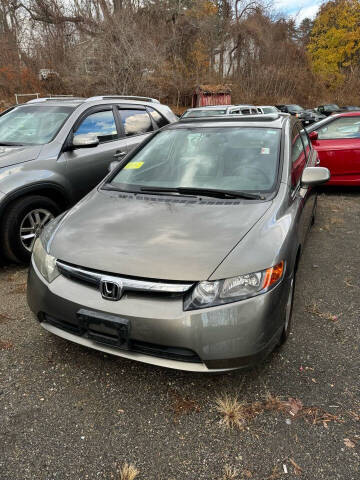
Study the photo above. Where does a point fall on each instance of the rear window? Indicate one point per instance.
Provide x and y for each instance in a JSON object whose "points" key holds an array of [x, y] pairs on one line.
{"points": [[205, 113], [229, 158]]}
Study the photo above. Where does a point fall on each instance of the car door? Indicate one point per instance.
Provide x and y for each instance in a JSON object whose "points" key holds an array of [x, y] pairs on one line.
{"points": [[338, 146], [85, 167], [136, 123], [300, 196]]}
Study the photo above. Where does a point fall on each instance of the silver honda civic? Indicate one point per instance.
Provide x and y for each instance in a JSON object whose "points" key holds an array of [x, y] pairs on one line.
{"points": [[185, 256]]}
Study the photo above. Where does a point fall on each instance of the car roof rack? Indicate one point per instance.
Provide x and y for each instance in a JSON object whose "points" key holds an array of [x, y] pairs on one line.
{"points": [[230, 118], [55, 98], [122, 97]]}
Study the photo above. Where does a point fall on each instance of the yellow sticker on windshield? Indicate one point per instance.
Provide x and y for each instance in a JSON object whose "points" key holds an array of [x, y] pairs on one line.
{"points": [[133, 165]]}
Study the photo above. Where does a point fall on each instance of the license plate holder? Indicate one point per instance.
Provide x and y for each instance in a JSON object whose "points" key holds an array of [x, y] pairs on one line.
{"points": [[105, 328]]}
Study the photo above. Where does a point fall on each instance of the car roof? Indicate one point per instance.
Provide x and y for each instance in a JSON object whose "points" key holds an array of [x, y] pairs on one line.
{"points": [[97, 100], [275, 120], [209, 107], [346, 114]]}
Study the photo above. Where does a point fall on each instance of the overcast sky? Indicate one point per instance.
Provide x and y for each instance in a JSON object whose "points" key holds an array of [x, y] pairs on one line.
{"points": [[298, 9]]}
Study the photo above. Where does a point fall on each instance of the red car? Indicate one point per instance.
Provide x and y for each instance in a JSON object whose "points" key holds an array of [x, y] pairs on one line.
{"points": [[337, 141]]}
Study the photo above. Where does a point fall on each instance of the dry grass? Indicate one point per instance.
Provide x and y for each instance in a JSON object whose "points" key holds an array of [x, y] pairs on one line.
{"points": [[236, 414], [3, 318], [19, 288], [297, 468], [128, 472], [314, 309], [5, 345], [239, 415], [275, 474], [230, 473]]}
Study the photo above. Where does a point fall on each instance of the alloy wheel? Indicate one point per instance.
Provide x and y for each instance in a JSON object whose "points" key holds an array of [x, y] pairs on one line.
{"points": [[32, 225]]}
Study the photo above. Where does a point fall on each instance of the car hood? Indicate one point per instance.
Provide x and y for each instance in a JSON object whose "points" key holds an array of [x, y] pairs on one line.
{"points": [[151, 236], [10, 155]]}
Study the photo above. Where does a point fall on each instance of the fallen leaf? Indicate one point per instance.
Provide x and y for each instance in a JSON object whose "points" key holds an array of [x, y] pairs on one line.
{"points": [[295, 405], [348, 443]]}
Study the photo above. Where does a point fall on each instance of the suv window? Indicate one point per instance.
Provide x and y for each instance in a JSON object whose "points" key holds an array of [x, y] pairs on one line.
{"points": [[157, 117], [135, 122], [343, 127], [101, 124], [298, 157]]}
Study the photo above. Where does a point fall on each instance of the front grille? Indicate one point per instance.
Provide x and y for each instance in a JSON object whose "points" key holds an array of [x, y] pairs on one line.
{"points": [[106, 338], [93, 279]]}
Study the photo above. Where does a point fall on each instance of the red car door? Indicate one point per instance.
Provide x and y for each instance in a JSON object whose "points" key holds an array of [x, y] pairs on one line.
{"points": [[338, 147]]}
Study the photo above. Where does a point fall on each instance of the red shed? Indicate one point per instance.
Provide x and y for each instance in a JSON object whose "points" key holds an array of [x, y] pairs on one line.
{"points": [[205, 95]]}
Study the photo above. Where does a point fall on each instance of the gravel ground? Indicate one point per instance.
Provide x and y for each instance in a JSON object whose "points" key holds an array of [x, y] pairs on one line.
{"points": [[71, 413]]}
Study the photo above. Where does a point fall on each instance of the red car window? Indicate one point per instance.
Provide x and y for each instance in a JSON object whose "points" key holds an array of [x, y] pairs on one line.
{"points": [[343, 127]]}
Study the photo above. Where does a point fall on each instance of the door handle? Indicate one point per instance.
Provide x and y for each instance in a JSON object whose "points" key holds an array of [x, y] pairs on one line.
{"points": [[119, 154]]}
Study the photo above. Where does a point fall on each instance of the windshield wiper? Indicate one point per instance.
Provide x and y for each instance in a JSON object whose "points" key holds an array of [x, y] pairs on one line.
{"points": [[10, 144], [203, 191]]}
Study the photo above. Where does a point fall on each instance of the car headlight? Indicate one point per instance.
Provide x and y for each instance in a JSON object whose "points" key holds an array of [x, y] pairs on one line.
{"points": [[209, 294], [45, 263]]}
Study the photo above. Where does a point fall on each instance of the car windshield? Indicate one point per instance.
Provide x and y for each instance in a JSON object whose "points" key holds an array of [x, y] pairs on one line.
{"points": [[207, 112], [32, 125], [295, 108], [226, 158], [269, 109], [332, 107]]}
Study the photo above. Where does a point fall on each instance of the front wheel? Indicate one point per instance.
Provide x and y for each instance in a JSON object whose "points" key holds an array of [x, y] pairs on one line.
{"points": [[288, 312], [22, 223]]}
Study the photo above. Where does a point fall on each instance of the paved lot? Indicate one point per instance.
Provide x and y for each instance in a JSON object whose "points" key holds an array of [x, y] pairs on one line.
{"points": [[71, 413]]}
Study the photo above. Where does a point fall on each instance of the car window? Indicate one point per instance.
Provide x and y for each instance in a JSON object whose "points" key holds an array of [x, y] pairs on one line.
{"points": [[298, 157], [157, 117], [101, 124], [135, 122], [207, 112], [230, 158], [269, 110], [343, 127], [306, 142], [32, 125]]}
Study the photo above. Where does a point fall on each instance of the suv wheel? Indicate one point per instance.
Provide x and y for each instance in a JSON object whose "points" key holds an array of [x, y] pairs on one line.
{"points": [[22, 223]]}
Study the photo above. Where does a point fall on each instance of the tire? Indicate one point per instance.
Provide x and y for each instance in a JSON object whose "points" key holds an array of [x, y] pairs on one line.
{"points": [[24, 219], [313, 218], [288, 312]]}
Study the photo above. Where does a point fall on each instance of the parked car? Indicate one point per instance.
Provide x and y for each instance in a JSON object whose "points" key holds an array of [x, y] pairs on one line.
{"points": [[309, 117], [349, 108], [53, 152], [209, 111], [267, 109], [217, 110], [185, 256], [337, 141], [295, 110], [328, 109], [242, 110]]}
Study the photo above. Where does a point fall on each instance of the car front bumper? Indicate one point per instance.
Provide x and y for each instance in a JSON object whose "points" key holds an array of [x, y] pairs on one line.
{"points": [[226, 337]]}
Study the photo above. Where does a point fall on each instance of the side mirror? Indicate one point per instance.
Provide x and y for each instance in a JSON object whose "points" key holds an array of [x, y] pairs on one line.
{"points": [[313, 176], [113, 165], [313, 136], [87, 140]]}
